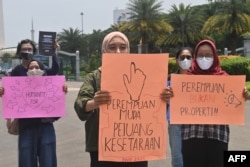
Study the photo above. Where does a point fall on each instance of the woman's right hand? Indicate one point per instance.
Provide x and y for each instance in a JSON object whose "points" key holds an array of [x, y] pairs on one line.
{"points": [[245, 94], [167, 93], [102, 97], [1, 91]]}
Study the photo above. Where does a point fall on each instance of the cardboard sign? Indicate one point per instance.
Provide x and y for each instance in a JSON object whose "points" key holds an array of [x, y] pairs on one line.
{"points": [[207, 99], [133, 126], [33, 96], [46, 43]]}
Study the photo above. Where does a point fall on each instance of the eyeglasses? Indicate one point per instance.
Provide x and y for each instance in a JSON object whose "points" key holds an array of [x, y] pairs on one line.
{"points": [[182, 57]]}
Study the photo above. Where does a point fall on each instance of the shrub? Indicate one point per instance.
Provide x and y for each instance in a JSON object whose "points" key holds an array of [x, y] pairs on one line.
{"points": [[172, 66], [237, 66]]}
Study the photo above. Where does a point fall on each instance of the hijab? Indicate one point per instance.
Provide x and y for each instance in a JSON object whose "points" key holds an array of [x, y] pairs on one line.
{"points": [[215, 69], [110, 36]]}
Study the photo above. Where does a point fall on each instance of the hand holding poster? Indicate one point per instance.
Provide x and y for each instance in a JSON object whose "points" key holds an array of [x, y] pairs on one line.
{"points": [[33, 96], [133, 126], [200, 99]]}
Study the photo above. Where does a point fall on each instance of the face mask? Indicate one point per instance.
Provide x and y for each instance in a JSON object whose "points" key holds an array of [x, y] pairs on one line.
{"points": [[185, 64], [205, 63], [26, 56], [35, 72]]}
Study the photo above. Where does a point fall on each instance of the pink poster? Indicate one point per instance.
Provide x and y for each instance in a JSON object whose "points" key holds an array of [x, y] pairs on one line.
{"points": [[33, 96]]}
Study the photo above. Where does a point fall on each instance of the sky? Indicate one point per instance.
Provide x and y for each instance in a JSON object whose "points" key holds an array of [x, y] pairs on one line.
{"points": [[56, 15]]}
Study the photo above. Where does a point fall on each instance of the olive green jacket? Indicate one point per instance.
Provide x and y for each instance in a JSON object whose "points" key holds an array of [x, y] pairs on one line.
{"points": [[91, 84]]}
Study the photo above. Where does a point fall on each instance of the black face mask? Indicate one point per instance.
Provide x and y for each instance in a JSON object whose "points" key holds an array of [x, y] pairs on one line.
{"points": [[26, 56]]}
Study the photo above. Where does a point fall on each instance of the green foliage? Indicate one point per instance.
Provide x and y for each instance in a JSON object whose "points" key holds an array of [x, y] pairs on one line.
{"points": [[231, 19], [92, 64], [146, 22], [70, 40], [187, 24], [248, 86], [227, 22], [161, 31], [172, 66], [237, 66], [6, 58]]}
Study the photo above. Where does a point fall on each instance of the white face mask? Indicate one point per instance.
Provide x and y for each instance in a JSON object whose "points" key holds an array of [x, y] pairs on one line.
{"points": [[205, 62], [185, 64], [35, 72]]}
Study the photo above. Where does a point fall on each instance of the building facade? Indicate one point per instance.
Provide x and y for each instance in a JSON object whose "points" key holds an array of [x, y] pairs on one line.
{"points": [[120, 15]]}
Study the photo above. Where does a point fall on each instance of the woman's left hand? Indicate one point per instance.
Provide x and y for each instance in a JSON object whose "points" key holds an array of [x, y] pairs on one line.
{"points": [[167, 93], [245, 94], [65, 88]]}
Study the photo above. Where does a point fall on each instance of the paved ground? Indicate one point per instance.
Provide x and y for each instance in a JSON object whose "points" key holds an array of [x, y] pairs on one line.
{"points": [[70, 138]]}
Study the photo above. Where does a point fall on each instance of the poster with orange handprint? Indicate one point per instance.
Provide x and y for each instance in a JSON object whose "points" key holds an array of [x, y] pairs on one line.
{"points": [[133, 125]]}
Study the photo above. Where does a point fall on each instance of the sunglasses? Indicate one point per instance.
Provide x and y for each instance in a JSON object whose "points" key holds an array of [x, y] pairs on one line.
{"points": [[182, 57]]}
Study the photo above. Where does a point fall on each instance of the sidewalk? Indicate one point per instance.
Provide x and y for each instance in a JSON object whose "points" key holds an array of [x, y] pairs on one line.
{"points": [[71, 138]]}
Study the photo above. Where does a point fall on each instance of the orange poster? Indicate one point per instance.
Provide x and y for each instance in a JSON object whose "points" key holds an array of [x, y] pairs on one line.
{"points": [[133, 126], [207, 99]]}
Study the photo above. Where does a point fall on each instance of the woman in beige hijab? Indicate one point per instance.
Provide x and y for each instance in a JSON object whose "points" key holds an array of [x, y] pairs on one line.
{"points": [[90, 97]]}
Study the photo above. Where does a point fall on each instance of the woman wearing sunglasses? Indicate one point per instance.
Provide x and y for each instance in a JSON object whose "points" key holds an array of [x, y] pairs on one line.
{"points": [[183, 60]]}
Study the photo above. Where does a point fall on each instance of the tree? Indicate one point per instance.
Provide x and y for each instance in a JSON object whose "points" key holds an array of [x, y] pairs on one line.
{"points": [[231, 19], [145, 22], [186, 24], [71, 41], [95, 42]]}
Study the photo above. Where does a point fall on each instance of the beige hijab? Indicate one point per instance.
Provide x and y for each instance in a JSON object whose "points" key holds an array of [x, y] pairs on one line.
{"points": [[110, 36]]}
